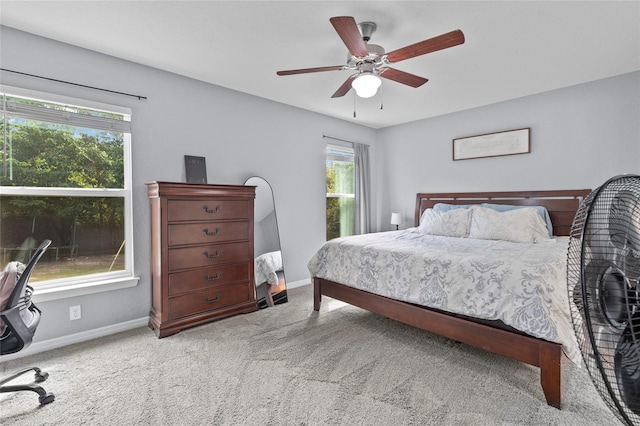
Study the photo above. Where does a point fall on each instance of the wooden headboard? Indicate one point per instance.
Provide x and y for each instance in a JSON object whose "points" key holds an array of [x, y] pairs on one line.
{"points": [[561, 204]]}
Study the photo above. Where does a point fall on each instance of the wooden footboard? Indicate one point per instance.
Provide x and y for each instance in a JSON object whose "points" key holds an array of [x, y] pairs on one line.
{"points": [[531, 350]]}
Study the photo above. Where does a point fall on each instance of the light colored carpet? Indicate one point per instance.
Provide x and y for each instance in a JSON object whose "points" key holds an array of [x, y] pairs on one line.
{"points": [[288, 365]]}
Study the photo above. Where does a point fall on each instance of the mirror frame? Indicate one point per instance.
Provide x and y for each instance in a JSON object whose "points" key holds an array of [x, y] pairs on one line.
{"points": [[268, 294]]}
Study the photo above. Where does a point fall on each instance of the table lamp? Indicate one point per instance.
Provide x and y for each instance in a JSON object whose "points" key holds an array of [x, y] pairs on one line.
{"points": [[396, 219]]}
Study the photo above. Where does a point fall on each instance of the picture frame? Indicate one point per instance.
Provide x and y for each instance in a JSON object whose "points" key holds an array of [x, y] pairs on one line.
{"points": [[195, 168], [509, 142]]}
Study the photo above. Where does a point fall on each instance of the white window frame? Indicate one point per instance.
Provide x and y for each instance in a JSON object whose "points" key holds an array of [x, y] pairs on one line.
{"points": [[94, 283]]}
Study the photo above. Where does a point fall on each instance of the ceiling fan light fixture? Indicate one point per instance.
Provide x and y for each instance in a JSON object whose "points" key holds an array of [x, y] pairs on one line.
{"points": [[366, 85]]}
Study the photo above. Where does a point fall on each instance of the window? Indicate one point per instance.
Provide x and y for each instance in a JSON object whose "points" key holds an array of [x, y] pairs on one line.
{"points": [[66, 177], [340, 192]]}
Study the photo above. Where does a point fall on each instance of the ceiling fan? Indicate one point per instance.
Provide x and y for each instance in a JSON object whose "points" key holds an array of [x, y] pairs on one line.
{"points": [[370, 60]]}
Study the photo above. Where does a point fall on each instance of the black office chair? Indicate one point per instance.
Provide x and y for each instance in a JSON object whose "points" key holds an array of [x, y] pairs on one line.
{"points": [[21, 318]]}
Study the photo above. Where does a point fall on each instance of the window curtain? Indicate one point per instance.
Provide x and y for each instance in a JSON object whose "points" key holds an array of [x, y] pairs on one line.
{"points": [[363, 188]]}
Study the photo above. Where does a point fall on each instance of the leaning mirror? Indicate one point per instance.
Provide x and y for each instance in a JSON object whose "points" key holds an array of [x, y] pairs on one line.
{"points": [[271, 288]]}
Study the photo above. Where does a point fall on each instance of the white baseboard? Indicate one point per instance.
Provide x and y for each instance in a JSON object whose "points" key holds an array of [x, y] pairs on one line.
{"points": [[298, 283], [83, 336]]}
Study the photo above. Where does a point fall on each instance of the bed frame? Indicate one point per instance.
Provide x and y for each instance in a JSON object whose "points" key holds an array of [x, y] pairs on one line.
{"points": [[562, 206]]}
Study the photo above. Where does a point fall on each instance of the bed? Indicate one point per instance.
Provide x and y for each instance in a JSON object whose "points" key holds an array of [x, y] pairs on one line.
{"points": [[480, 322]]}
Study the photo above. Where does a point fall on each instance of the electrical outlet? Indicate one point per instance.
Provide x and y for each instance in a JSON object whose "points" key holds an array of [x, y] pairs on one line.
{"points": [[75, 313]]}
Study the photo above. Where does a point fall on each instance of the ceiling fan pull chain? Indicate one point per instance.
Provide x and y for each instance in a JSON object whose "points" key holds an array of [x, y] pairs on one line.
{"points": [[354, 105], [381, 102]]}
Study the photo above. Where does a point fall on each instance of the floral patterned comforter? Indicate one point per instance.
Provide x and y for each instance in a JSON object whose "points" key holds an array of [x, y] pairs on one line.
{"points": [[523, 285], [266, 267]]}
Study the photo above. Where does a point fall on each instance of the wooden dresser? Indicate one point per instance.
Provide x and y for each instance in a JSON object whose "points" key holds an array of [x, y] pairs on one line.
{"points": [[201, 254]]}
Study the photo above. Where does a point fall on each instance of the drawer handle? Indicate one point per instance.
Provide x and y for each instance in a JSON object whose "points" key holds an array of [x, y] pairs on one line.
{"points": [[208, 210], [213, 300], [213, 278], [211, 234], [212, 256]]}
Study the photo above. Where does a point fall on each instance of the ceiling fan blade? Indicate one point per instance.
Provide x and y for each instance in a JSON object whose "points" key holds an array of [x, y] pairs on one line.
{"points": [[402, 77], [434, 44], [344, 89], [308, 70], [348, 31]]}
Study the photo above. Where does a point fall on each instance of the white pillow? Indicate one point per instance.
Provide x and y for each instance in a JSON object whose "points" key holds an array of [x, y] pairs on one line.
{"points": [[520, 225], [451, 223]]}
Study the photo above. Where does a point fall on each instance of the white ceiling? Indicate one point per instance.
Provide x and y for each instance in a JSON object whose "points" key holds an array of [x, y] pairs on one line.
{"points": [[512, 49]]}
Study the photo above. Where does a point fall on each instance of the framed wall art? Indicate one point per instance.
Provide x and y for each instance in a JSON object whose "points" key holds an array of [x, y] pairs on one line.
{"points": [[510, 142]]}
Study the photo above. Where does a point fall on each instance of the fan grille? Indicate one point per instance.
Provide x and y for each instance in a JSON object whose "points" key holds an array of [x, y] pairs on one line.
{"points": [[603, 269]]}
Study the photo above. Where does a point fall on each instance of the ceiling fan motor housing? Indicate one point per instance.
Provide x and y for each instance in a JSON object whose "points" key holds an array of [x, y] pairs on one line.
{"points": [[375, 51], [375, 55]]}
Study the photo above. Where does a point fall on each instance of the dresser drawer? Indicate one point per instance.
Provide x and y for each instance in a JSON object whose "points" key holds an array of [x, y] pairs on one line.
{"points": [[182, 282], [209, 300], [206, 209], [212, 254], [208, 232]]}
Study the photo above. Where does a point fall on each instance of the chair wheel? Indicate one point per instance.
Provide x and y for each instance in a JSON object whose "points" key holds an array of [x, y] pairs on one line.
{"points": [[41, 376], [46, 399]]}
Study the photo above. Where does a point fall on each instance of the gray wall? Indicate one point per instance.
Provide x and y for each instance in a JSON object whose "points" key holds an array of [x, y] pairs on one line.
{"points": [[240, 136], [580, 136]]}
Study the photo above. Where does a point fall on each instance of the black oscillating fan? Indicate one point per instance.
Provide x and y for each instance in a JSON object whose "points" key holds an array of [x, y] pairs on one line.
{"points": [[603, 269]]}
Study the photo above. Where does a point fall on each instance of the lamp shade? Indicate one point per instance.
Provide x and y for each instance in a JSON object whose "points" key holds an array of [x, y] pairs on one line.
{"points": [[396, 219], [366, 85]]}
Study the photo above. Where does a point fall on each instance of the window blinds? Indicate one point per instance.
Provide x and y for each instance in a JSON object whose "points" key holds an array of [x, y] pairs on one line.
{"points": [[33, 109], [339, 153]]}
